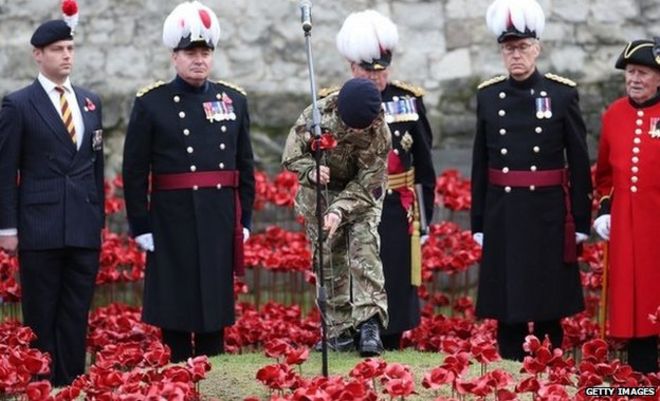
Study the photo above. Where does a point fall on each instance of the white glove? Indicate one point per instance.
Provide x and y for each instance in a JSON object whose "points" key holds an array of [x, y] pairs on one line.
{"points": [[478, 238], [145, 242], [246, 234], [602, 226], [423, 239], [580, 237]]}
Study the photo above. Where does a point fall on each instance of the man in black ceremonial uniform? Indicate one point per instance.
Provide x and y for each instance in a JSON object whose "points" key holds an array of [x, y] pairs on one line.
{"points": [[191, 136], [531, 189]]}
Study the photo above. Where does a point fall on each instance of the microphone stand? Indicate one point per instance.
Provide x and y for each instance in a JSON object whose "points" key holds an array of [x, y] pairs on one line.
{"points": [[321, 295]]}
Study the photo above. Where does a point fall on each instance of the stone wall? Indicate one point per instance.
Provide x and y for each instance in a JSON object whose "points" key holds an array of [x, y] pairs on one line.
{"points": [[444, 47]]}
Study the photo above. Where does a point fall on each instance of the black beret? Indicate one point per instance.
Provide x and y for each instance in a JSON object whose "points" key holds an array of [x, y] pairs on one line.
{"points": [[642, 52], [359, 103], [51, 32], [378, 64]]}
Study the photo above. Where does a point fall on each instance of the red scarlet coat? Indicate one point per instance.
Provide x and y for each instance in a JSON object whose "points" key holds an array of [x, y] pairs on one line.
{"points": [[629, 169]]}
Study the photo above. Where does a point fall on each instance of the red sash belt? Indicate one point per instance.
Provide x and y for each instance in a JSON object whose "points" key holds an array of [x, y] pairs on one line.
{"points": [[210, 179], [543, 178]]}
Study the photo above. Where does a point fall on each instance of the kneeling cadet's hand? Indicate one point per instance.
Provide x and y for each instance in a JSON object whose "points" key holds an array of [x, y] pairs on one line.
{"points": [[331, 223]]}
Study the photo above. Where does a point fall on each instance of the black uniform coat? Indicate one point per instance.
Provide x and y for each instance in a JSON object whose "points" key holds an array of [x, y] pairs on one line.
{"points": [[189, 277], [59, 201], [411, 142], [523, 276]]}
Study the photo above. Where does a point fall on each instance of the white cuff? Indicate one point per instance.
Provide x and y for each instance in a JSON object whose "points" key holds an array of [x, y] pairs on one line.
{"points": [[8, 232]]}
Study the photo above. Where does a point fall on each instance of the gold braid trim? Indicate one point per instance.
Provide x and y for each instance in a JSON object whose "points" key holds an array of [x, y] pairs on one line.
{"points": [[149, 87], [491, 81], [233, 86], [561, 80], [415, 90]]}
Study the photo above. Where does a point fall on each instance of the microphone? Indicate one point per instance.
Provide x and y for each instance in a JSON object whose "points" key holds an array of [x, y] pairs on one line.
{"points": [[306, 15]]}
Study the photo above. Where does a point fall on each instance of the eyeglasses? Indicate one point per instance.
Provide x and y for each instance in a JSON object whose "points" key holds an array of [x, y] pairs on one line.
{"points": [[522, 48]]}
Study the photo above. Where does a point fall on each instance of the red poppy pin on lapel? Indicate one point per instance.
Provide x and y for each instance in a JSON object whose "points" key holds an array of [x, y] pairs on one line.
{"points": [[89, 105]]}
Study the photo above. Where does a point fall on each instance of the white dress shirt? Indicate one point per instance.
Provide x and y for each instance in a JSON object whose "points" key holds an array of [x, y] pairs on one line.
{"points": [[54, 95]]}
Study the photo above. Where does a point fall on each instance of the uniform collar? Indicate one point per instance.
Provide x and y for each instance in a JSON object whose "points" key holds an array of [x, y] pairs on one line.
{"points": [[651, 102], [184, 86], [527, 83]]}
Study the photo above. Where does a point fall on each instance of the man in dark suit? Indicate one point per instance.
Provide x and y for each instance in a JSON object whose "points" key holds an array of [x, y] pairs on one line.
{"points": [[51, 198], [191, 135], [531, 187]]}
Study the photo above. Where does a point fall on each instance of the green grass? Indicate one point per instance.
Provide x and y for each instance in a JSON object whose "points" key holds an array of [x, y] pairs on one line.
{"points": [[233, 377]]}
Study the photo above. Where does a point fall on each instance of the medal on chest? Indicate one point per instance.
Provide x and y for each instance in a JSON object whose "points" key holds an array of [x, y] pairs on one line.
{"points": [[220, 110], [400, 110], [543, 108], [654, 129]]}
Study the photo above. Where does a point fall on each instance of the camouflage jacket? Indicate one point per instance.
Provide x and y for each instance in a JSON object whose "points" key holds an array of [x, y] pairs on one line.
{"points": [[358, 163]]}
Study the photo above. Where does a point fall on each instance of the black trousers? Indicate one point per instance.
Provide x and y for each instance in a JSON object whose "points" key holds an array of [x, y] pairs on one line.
{"points": [[511, 336], [391, 342], [58, 286], [643, 354], [184, 344]]}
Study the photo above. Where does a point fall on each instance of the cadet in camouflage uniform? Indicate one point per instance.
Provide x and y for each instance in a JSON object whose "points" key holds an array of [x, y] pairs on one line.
{"points": [[367, 40], [356, 142]]}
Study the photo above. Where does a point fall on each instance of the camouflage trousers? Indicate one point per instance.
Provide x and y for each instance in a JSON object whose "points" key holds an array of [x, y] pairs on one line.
{"points": [[353, 271]]}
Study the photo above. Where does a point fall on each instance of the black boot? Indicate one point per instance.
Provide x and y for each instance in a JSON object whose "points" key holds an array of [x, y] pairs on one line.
{"points": [[341, 343], [370, 344]]}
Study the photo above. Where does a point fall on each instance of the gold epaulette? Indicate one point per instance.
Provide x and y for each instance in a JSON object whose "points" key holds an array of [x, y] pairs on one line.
{"points": [[561, 80], [325, 92], [149, 87], [415, 90], [233, 86], [491, 81]]}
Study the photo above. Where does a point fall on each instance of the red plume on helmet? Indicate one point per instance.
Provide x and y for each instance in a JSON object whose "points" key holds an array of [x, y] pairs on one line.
{"points": [[70, 13]]}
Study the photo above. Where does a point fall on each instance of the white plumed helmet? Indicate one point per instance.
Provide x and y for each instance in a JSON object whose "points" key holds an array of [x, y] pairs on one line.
{"points": [[368, 38], [191, 24], [509, 19]]}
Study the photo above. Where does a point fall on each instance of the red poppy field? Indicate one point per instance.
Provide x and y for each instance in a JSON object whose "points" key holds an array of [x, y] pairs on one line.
{"points": [[450, 356]]}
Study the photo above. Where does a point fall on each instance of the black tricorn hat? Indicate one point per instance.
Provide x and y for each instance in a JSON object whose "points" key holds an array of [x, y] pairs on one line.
{"points": [[642, 52], [51, 32]]}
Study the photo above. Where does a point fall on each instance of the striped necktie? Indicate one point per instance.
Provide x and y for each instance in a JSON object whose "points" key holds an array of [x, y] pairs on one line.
{"points": [[67, 117]]}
